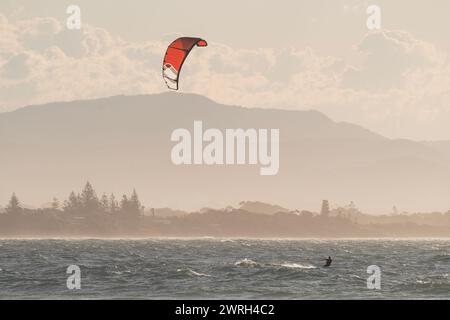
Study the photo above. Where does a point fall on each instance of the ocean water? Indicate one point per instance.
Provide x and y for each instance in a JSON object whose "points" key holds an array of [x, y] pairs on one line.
{"points": [[224, 269]]}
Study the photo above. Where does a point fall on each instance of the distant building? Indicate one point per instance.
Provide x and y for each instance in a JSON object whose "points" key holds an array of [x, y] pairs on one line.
{"points": [[325, 211]]}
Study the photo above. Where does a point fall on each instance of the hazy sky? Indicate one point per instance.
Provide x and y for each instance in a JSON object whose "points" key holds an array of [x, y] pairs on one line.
{"points": [[296, 54]]}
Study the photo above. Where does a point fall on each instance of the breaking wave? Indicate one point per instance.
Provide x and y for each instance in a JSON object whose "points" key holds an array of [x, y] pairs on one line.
{"points": [[193, 273], [247, 263], [289, 265], [297, 266]]}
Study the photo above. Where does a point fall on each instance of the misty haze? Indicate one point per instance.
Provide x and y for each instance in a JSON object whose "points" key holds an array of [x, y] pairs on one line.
{"points": [[293, 149], [120, 143]]}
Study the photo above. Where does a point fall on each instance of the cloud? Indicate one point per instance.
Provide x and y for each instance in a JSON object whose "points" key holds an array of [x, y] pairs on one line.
{"points": [[391, 82], [389, 57], [41, 61]]}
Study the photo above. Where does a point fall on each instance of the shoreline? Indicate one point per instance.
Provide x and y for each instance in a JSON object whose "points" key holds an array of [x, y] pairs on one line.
{"points": [[221, 239]]}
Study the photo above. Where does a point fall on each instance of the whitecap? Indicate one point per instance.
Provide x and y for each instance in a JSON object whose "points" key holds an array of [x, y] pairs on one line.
{"points": [[246, 262], [423, 281], [227, 240], [198, 274], [297, 266], [193, 273]]}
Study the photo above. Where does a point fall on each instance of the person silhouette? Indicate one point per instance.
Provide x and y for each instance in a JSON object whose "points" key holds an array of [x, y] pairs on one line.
{"points": [[328, 261]]}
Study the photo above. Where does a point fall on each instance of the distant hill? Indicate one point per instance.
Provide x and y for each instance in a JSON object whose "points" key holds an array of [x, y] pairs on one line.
{"points": [[261, 207], [123, 142]]}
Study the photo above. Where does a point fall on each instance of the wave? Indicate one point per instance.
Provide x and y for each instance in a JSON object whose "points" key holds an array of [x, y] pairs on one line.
{"points": [[193, 273], [289, 265], [441, 257], [247, 263], [227, 240], [431, 284], [297, 266]]}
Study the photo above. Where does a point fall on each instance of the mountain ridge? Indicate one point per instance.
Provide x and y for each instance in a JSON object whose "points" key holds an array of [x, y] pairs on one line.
{"points": [[124, 141], [67, 104]]}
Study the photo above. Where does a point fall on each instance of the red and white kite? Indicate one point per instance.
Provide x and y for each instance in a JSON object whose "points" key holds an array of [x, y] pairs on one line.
{"points": [[175, 56]]}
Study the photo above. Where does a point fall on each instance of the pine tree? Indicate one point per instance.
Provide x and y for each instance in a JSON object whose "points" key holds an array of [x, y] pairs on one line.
{"points": [[124, 204], [134, 204], [113, 205], [13, 205], [104, 203], [89, 200], [73, 203]]}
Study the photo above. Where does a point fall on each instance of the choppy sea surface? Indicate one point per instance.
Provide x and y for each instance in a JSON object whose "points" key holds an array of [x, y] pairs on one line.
{"points": [[209, 268]]}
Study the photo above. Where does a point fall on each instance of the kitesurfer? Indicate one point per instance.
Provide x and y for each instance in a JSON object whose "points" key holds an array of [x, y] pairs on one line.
{"points": [[328, 261]]}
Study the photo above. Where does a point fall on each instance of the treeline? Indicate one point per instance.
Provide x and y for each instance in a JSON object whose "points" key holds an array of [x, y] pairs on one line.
{"points": [[84, 214], [85, 203]]}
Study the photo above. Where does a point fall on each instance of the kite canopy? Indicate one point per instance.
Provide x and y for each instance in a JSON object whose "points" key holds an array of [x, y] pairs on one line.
{"points": [[175, 56]]}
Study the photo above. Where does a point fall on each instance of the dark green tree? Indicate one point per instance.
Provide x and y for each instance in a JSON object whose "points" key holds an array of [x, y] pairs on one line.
{"points": [[88, 198], [73, 203], [113, 205], [14, 205], [104, 203], [134, 204], [124, 204]]}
